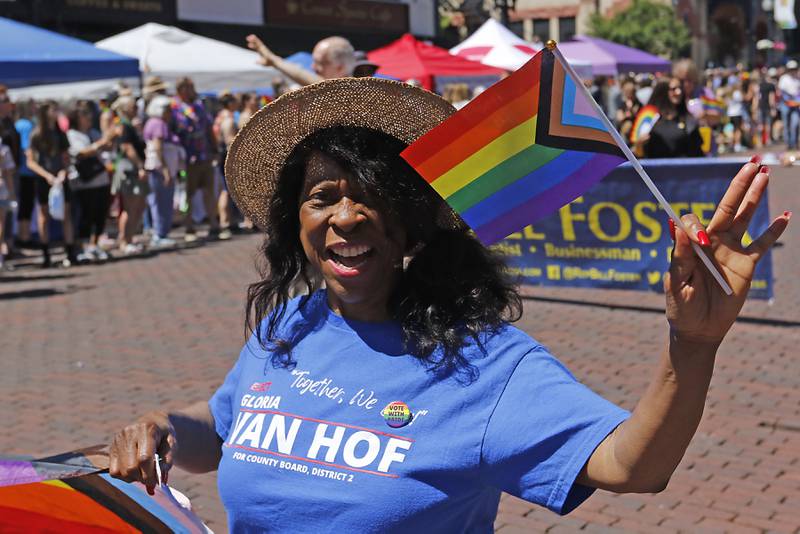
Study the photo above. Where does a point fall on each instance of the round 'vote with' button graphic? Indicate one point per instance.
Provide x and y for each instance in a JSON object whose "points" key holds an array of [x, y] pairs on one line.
{"points": [[397, 414]]}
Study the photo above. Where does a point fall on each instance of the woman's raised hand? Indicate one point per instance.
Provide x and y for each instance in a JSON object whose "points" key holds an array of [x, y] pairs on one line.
{"points": [[133, 450], [697, 308]]}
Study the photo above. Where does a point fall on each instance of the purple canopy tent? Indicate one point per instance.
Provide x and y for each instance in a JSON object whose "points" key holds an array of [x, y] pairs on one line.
{"points": [[611, 59]]}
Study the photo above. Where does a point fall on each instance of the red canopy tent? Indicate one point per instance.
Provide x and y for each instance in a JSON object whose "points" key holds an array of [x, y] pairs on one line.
{"points": [[408, 58]]}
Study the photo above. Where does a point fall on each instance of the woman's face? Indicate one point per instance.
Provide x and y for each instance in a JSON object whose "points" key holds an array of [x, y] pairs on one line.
{"points": [[675, 92], [346, 235], [52, 115], [84, 121], [629, 90]]}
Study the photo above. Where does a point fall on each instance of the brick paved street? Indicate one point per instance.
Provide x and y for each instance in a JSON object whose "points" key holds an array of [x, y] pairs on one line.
{"points": [[85, 350]]}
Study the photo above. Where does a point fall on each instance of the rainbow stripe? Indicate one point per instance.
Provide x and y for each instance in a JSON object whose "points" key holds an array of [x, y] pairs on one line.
{"points": [[518, 152], [712, 105], [644, 122]]}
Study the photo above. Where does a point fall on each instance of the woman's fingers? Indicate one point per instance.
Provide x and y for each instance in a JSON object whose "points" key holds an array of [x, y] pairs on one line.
{"points": [[695, 229], [146, 460], [729, 205], [129, 456], [765, 241], [750, 203], [132, 453], [683, 263]]}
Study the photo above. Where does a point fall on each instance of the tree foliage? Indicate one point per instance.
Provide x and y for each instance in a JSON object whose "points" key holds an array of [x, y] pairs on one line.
{"points": [[646, 25]]}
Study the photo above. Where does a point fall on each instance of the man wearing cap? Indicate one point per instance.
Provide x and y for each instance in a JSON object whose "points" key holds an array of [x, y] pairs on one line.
{"points": [[789, 87], [332, 57]]}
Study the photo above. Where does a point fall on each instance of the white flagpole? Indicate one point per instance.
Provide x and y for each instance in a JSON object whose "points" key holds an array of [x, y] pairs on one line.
{"points": [[551, 45]]}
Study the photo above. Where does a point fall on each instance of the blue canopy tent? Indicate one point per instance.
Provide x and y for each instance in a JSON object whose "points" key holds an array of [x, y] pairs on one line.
{"points": [[34, 56], [301, 58]]}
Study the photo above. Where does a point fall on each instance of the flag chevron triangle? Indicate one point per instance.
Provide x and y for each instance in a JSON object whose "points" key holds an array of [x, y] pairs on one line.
{"points": [[568, 120], [519, 151]]}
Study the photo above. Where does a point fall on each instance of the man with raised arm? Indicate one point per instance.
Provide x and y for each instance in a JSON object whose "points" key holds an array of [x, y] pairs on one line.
{"points": [[332, 57]]}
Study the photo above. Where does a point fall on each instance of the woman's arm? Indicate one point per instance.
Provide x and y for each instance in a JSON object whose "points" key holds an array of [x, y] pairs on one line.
{"points": [[95, 147], [643, 452], [158, 145], [130, 153], [38, 169], [186, 438], [227, 129]]}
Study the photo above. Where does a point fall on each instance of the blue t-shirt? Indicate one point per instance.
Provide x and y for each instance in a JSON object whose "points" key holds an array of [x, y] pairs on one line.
{"points": [[24, 128], [360, 436]]}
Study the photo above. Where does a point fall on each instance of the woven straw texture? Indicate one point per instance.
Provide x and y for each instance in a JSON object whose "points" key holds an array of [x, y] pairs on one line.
{"points": [[261, 147]]}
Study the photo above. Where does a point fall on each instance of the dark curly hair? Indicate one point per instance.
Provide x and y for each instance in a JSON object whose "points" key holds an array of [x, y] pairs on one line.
{"points": [[453, 289]]}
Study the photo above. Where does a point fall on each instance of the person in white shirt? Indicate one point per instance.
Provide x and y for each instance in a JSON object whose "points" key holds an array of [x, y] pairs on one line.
{"points": [[89, 179], [789, 87]]}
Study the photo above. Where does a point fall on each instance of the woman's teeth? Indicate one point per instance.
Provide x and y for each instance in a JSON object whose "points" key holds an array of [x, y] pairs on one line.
{"points": [[350, 256], [349, 252]]}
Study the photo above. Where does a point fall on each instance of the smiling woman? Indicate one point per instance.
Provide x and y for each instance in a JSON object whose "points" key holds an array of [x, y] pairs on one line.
{"points": [[398, 398], [348, 207]]}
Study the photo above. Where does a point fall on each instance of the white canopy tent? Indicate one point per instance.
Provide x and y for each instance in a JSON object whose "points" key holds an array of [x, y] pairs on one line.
{"points": [[491, 34], [496, 46], [172, 53], [504, 56]]}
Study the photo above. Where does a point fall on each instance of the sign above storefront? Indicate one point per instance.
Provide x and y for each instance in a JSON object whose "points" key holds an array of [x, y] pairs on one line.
{"points": [[131, 11], [345, 14]]}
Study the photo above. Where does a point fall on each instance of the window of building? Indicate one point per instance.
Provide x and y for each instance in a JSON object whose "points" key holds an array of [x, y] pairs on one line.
{"points": [[566, 28], [541, 28], [518, 28]]}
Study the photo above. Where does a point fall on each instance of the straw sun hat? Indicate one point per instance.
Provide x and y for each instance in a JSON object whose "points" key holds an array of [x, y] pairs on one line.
{"points": [[261, 147]]}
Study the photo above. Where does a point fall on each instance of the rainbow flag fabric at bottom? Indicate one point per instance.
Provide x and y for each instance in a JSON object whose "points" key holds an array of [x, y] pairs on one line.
{"points": [[519, 151]]}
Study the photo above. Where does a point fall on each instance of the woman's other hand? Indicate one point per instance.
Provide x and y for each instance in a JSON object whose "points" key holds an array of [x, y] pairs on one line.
{"points": [[697, 308], [133, 450]]}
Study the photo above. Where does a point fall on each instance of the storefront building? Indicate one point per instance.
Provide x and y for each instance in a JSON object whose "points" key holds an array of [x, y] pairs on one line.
{"points": [[286, 25], [559, 19]]}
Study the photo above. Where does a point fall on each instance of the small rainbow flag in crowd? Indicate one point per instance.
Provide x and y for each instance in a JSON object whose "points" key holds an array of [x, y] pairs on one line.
{"points": [[263, 100], [519, 151], [644, 122], [712, 105]]}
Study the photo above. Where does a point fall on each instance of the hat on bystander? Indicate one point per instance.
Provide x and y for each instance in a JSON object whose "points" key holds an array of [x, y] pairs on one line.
{"points": [[154, 84], [158, 105]]}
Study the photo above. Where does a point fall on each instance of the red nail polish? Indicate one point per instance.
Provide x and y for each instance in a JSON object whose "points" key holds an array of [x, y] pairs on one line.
{"points": [[764, 169], [787, 214], [672, 229], [702, 236], [756, 159]]}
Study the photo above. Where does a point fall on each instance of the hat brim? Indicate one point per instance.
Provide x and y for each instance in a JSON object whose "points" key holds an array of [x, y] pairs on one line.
{"points": [[147, 89], [261, 147]]}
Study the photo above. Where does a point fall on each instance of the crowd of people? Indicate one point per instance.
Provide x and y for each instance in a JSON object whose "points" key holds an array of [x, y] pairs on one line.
{"points": [[139, 161], [120, 158], [715, 112]]}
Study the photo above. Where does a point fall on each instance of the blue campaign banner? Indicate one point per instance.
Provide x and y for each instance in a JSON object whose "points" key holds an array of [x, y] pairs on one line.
{"points": [[617, 236]]}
